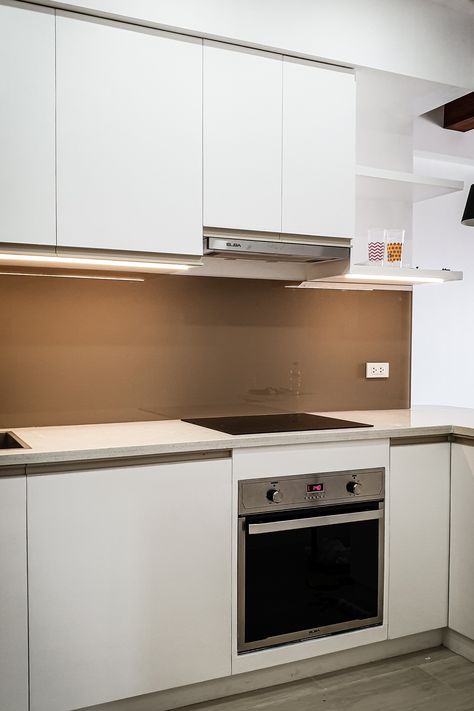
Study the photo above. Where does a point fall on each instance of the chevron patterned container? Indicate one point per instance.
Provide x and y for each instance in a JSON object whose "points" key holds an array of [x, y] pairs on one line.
{"points": [[376, 245]]}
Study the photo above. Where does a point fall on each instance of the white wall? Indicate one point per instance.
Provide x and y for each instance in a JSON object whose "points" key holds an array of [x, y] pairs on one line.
{"points": [[443, 316], [416, 38]]}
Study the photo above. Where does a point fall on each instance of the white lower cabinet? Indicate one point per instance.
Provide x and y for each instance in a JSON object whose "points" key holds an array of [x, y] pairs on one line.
{"points": [[419, 538], [461, 597], [13, 595], [129, 581]]}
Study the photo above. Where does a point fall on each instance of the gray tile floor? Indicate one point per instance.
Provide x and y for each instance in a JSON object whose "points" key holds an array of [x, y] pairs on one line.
{"points": [[434, 680]]}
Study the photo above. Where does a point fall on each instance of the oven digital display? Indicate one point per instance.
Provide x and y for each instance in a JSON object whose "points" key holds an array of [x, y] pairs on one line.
{"points": [[314, 487]]}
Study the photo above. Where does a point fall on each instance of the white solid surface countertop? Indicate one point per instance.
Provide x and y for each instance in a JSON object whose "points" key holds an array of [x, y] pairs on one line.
{"points": [[129, 439]]}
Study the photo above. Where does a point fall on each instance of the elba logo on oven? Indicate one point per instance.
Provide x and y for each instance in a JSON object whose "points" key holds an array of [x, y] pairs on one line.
{"points": [[233, 244]]}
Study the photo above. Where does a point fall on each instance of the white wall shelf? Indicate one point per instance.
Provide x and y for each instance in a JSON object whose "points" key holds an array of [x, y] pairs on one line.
{"points": [[373, 277], [395, 185]]}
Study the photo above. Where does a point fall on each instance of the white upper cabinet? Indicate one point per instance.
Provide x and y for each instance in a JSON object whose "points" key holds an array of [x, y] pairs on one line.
{"points": [[276, 149], [461, 588], [279, 143], [318, 192], [129, 137], [129, 581], [27, 187], [419, 538], [242, 138]]}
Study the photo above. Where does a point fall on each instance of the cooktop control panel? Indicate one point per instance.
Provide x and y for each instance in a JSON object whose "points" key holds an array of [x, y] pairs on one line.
{"points": [[303, 491]]}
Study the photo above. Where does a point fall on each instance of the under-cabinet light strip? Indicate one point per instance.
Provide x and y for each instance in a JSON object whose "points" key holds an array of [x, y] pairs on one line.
{"points": [[395, 278], [90, 262], [72, 276]]}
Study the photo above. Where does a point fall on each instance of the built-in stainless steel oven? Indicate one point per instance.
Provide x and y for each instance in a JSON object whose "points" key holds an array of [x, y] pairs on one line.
{"points": [[310, 556]]}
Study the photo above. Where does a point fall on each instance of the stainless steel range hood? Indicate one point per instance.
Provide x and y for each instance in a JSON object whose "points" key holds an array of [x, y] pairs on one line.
{"points": [[274, 247]]}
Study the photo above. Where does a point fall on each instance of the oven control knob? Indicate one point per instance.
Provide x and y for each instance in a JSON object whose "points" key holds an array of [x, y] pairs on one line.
{"points": [[274, 495], [353, 487]]}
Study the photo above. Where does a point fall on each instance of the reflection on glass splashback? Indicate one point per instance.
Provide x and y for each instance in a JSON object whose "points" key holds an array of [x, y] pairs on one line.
{"points": [[181, 346]]}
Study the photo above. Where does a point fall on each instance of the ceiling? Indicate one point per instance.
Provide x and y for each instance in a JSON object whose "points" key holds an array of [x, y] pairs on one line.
{"points": [[463, 5]]}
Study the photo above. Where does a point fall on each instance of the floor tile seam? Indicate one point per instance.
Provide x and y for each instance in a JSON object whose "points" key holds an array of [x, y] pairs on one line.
{"points": [[372, 677], [381, 662], [441, 681]]}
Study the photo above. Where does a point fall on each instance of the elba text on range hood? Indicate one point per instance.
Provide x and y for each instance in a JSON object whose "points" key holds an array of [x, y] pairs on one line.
{"points": [[274, 246]]}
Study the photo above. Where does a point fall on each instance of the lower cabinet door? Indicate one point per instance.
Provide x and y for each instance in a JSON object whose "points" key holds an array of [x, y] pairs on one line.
{"points": [[129, 581], [461, 589], [419, 538], [13, 594]]}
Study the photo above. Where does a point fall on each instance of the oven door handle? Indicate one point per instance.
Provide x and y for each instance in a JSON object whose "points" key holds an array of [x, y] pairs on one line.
{"points": [[297, 523]]}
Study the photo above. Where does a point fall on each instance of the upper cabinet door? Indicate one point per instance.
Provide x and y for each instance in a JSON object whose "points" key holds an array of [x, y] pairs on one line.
{"points": [[242, 138], [129, 137], [27, 182], [318, 149]]}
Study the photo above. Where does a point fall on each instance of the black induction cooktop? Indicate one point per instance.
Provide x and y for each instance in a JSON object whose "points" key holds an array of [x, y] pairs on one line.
{"points": [[262, 424]]}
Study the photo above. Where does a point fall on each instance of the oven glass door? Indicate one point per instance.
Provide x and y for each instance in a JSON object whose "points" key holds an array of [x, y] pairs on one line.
{"points": [[309, 574]]}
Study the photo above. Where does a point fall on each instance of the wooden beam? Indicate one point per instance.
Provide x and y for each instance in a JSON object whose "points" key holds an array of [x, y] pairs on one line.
{"points": [[459, 114]]}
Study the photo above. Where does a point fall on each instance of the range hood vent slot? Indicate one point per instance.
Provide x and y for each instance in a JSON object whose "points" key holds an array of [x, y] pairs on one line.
{"points": [[274, 247]]}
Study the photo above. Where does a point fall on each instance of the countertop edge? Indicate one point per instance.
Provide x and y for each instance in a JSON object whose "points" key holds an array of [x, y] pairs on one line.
{"points": [[29, 457]]}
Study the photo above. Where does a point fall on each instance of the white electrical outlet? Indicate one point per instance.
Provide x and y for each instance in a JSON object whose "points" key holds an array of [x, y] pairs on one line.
{"points": [[377, 370]]}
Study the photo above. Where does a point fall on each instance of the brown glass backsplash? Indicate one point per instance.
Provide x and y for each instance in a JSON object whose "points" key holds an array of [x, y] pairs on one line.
{"points": [[78, 351]]}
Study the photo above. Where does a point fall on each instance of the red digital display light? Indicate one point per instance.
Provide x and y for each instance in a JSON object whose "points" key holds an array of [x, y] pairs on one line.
{"points": [[314, 487]]}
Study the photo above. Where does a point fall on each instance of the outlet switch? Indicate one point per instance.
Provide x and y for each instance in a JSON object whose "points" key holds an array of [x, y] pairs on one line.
{"points": [[377, 370]]}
